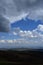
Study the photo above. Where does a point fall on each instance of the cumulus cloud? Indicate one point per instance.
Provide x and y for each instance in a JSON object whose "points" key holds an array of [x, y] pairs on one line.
{"points": [[17, 9], [4, 24], [25, 33], [27, 39], [40, 27], [38, 32]]}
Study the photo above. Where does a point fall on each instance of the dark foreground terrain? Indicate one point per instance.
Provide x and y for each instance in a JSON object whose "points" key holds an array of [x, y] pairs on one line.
{"points": [[26, 57]]}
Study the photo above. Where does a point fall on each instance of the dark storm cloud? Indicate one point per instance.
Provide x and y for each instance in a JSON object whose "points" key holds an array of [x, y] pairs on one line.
{"points": [[24, 5], [4, 24], [14, 8]]}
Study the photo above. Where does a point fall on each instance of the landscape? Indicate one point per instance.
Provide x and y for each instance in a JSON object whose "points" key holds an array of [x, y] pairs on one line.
{"points": [[27, 57], [21, 32]]}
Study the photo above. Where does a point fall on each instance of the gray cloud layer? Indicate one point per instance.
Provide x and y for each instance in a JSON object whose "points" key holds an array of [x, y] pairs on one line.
{"points": [[14, 8], [17, 9]]}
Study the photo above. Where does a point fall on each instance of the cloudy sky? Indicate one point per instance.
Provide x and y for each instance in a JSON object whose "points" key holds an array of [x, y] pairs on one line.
{"points": [[21, 23]]}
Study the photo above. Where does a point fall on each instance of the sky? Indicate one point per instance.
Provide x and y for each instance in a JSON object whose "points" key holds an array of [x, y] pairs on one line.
{"points": [[21, 23]]}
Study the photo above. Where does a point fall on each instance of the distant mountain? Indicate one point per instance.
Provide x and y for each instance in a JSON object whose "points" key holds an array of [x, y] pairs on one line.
{"points": [[26, 24]]}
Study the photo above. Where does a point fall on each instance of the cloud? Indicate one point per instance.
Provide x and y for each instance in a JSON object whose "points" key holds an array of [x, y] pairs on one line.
{"points": [[36, 33], [2, 41], [4, 24], [30, 39], [25, 33], [36, 14], [26, 39], [17, 9], [40, 27], [22, 43]]}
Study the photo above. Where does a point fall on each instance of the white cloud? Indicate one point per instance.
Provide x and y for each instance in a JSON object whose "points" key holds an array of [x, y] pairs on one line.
{"points": [[2, 41], [26, 43], [40, 27], [25, 34], [16, 18], [14, 33], [29, 39], [9, 41]]}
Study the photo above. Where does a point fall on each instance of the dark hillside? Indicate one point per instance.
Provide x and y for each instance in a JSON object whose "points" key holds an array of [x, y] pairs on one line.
{"points": [[21, 57]]}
